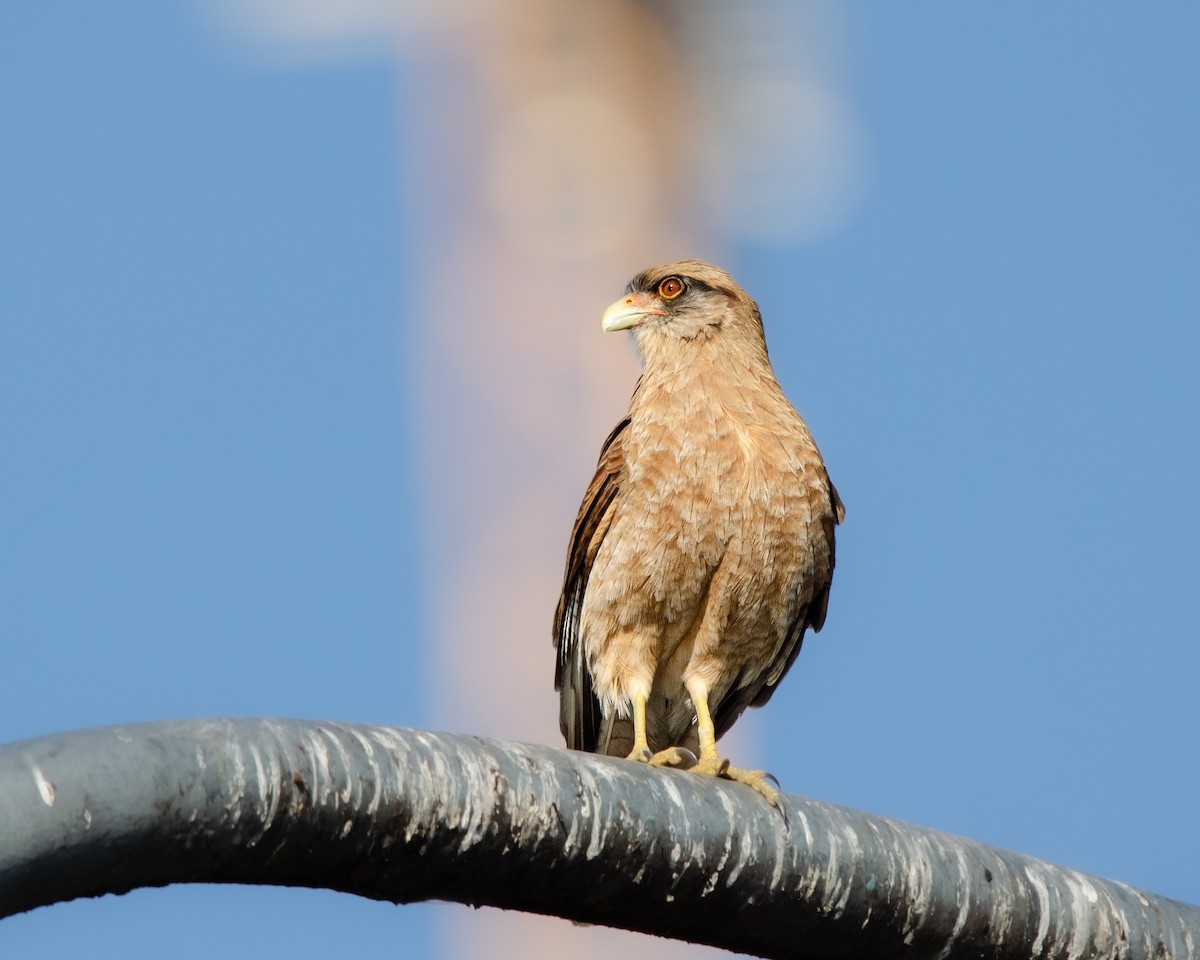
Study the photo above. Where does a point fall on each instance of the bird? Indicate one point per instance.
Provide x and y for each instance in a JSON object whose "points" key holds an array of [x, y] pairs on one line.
{"points": [[704, 547]]}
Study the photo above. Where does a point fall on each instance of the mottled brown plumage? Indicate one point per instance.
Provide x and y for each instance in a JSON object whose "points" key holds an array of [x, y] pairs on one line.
{"points": [[704, 547]]}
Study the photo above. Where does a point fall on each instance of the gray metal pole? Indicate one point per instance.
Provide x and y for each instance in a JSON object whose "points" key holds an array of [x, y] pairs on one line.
{"points": [[408, 815]]}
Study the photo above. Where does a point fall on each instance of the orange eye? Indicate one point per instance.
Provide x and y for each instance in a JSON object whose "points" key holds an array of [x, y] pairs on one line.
{"points": [[670, 288]]}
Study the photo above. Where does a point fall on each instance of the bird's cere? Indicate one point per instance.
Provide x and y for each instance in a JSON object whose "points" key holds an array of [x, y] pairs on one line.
{"points": [[629, 312]]}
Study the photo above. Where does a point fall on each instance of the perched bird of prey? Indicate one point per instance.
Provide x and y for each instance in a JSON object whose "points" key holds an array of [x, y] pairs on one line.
{"points": [[704, 547]]}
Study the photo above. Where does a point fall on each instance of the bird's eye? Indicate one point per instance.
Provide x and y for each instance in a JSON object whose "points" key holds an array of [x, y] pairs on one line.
{"points": [[670, 288]]}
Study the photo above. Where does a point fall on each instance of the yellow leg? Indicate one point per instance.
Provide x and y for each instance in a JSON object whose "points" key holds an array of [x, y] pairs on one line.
{"points": [[641, 749], [671, 757], [704, 725], [712, 764]]}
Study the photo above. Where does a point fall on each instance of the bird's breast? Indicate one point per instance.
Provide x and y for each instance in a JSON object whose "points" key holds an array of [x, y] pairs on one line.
{"points": [[699, 479], [712, 459]]}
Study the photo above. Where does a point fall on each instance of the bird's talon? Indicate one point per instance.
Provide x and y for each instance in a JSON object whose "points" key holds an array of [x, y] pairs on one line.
{"points": [[641, 755], [782, 808], [673, 757]]}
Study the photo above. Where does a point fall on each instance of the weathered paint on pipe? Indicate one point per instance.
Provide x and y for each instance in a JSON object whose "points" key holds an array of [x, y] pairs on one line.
{"points": [[409, 815]]}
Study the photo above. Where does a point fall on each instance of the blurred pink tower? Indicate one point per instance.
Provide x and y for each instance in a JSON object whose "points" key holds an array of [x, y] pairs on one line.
{"points": [[555, 149]]}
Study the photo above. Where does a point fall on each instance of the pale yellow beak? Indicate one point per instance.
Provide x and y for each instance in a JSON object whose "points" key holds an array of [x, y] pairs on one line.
{"points": [[630, 311]]}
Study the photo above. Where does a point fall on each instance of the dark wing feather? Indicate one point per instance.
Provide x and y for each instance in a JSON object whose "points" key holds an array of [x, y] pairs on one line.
{"points": [[579, 710], [812, 614]]}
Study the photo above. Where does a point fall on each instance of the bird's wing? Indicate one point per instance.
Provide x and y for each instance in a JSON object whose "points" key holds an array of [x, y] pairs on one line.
{"points": [[756, 691], [579, 711]]}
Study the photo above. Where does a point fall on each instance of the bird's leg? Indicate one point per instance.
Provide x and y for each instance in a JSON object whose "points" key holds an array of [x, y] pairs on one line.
{"points": [[671, 757], [641, 748], [712, 763]]}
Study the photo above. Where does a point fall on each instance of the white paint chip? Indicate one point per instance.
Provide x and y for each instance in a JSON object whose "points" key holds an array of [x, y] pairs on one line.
{"points": [[44, 786]]}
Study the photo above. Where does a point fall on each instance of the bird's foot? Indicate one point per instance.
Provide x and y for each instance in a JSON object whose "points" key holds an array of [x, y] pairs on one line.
{"points": [[674, 757], [671, 757], [758, 780]]}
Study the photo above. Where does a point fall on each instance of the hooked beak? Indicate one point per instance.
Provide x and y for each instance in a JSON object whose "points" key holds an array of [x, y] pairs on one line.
{"points": [[630, 311]]}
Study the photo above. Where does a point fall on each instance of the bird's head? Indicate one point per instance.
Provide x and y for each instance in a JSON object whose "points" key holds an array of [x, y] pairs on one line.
{"points": [[684, 300]]}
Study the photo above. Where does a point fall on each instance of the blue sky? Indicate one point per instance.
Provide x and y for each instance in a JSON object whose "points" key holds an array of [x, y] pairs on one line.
{"points": [[208, 494]]}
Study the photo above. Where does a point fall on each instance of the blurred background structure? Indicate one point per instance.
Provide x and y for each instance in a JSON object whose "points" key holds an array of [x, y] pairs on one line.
{"points": [[302, 381]]}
